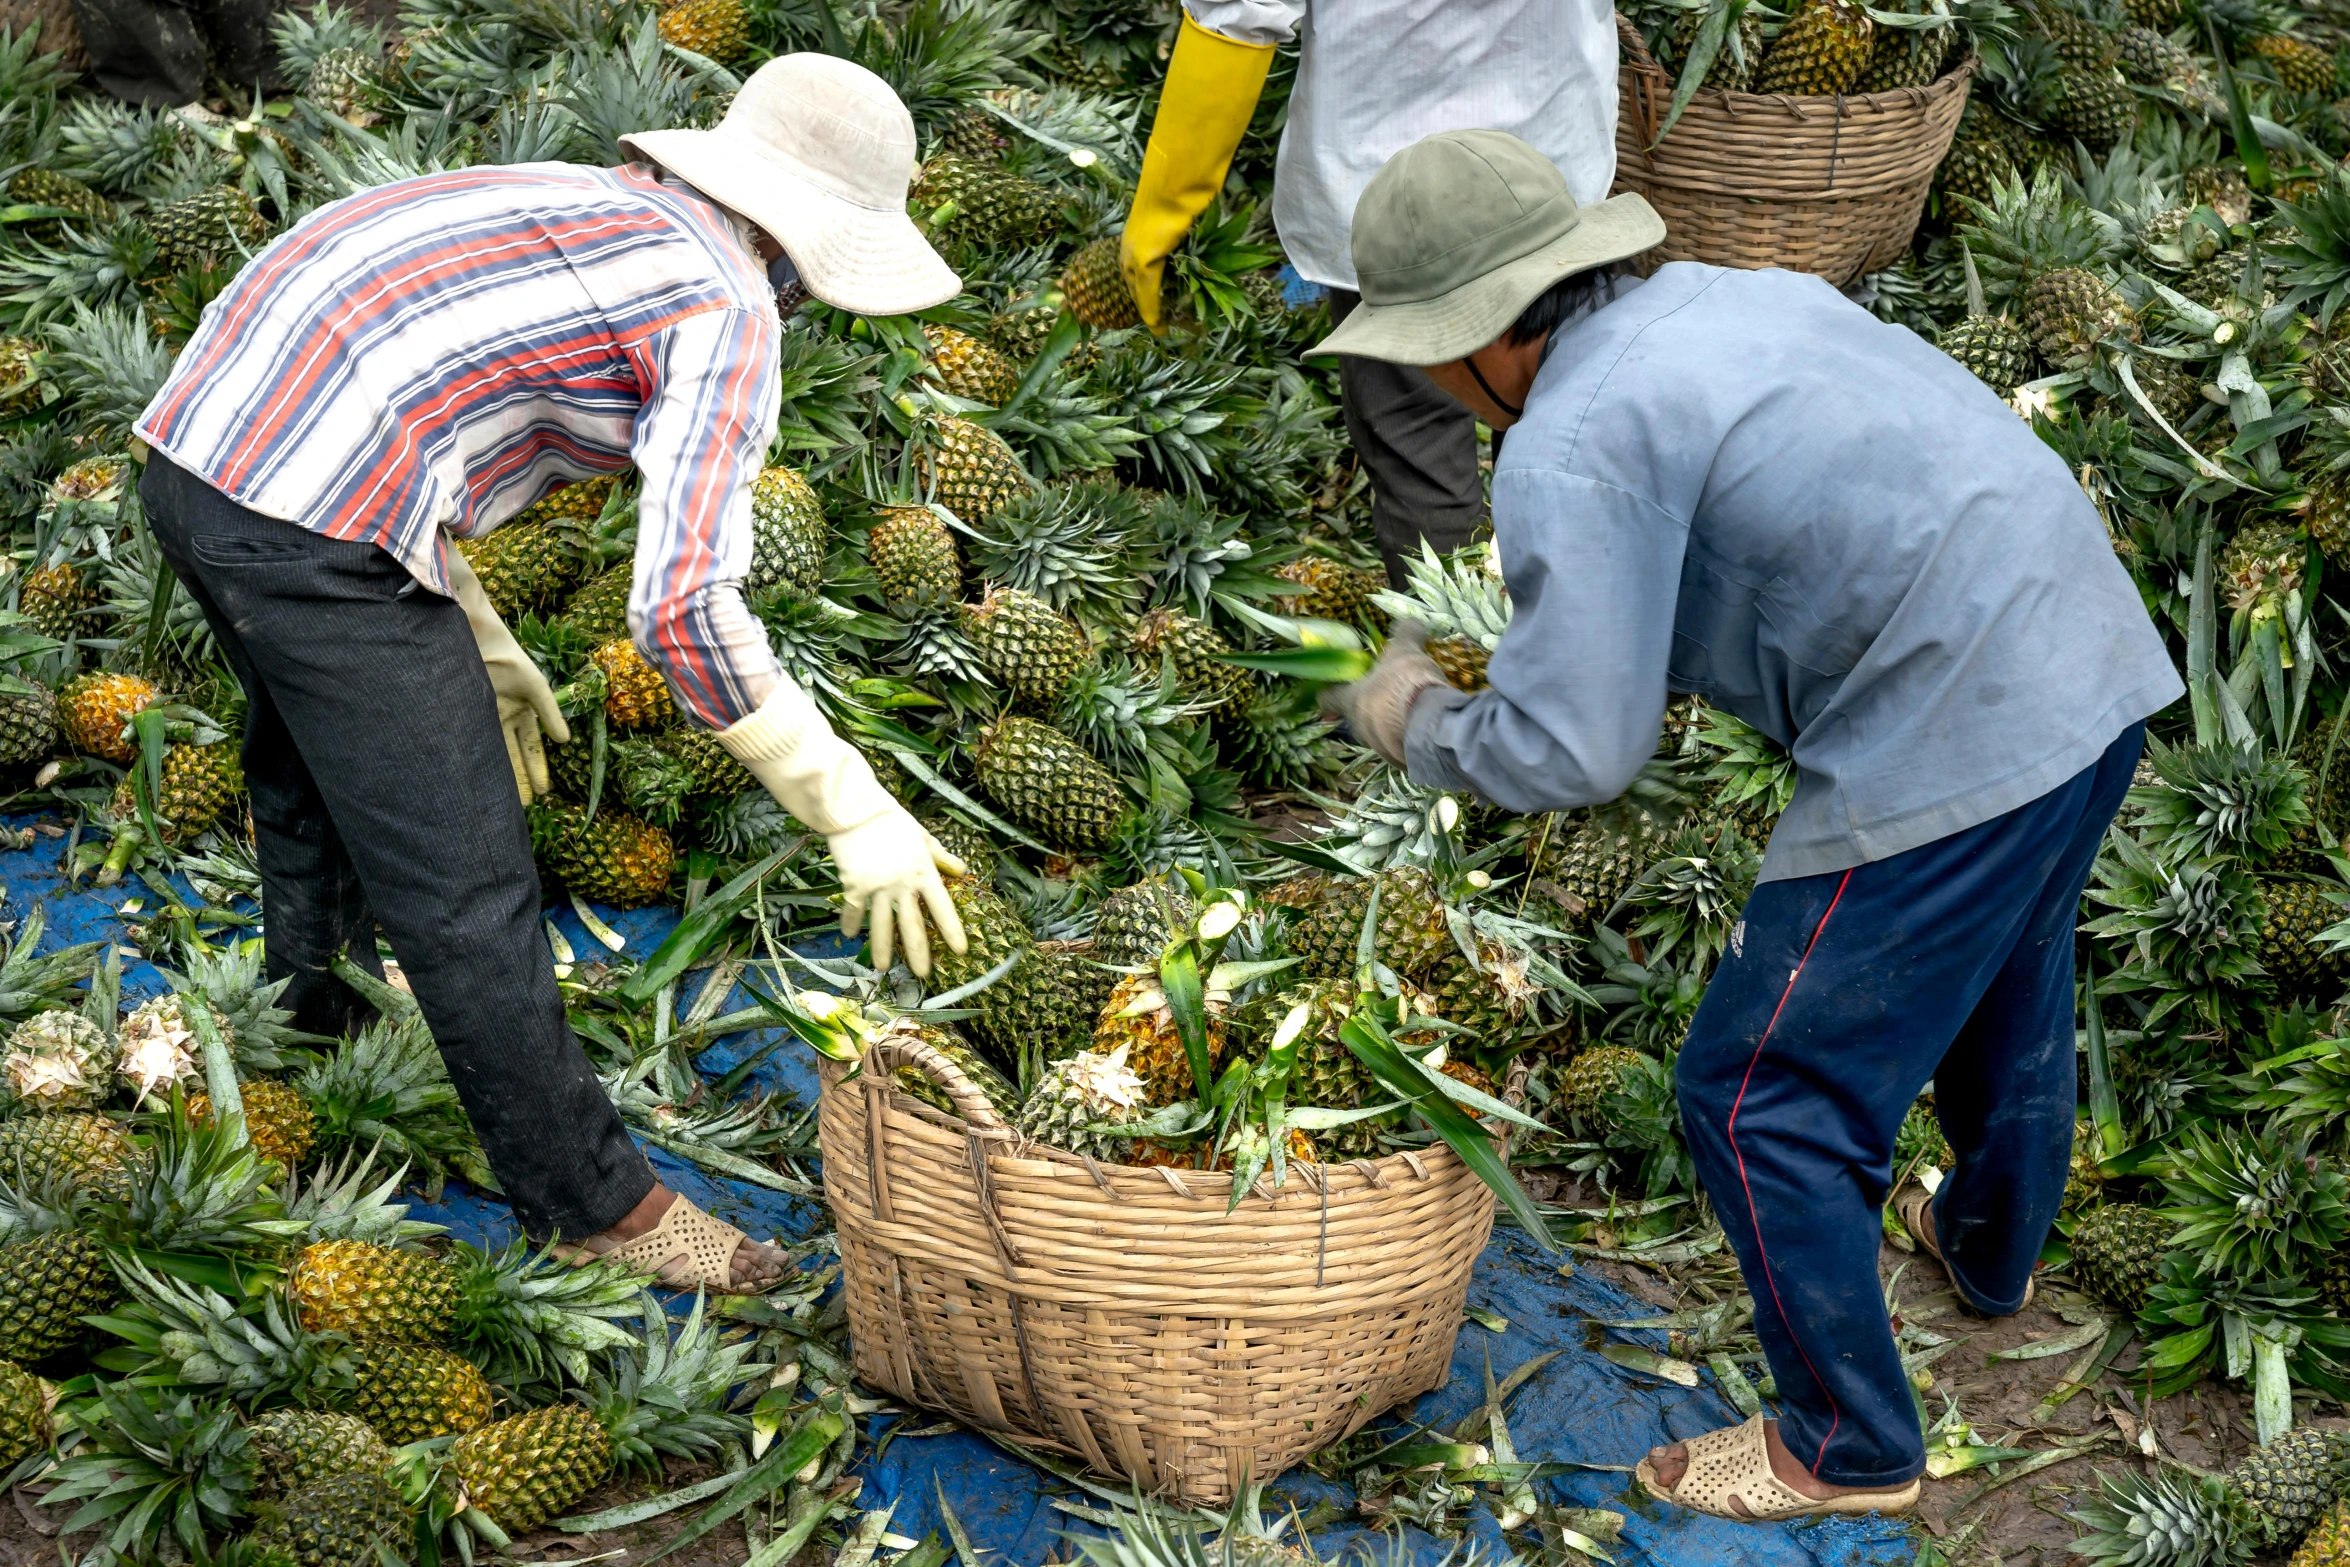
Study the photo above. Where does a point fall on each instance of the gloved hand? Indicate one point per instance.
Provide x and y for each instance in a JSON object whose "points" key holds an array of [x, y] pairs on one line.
{"points": [[526, 703], [1378, 706], [888, 864], [1211, 90]]}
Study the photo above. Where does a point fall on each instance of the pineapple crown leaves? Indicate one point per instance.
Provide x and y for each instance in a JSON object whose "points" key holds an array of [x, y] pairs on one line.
{"points": [[230, 980], [523, 1314], [2198, 1323], [94, 264], [1170, 403], [1643, 1120], [1749, 764], [2172, 1517], [944, 56], [2314, 264], [202, 1188], [27, 71], [113, 146], [830, 386], [612, 90], [666, 1394], [1694, 894], [31, 981], [2306, 1089], [1121, 712], [187, 1334], [1652, 999], [2254, 1203], [158, 1474], [108, 364], [1066, 543], [303, 40], [388, 1088], [2190, 925], [2241, 801], [2025, 230], [337, 1204], [1393, 821], [1193, 545], [1456, 595]]}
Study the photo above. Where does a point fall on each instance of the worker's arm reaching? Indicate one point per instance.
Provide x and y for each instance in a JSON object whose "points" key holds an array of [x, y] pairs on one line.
{"points": [[1578, 684], [1213, 81], [527, 713]]}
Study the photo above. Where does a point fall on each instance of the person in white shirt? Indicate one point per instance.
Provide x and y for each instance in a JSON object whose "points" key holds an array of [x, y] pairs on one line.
{"points": [[1373, 77]]}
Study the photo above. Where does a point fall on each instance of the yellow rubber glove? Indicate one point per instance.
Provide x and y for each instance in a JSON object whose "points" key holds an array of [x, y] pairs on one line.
{"points": [[1212, 89]]}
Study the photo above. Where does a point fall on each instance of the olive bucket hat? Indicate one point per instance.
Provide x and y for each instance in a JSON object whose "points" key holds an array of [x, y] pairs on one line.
{"points": [[1460, 232]]}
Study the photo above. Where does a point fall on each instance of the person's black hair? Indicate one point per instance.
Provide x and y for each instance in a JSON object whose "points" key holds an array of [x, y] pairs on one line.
{"points": [[1565, 300]]}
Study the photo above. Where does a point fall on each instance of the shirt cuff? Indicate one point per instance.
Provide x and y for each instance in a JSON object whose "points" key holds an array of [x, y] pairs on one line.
{"points": [[1427, 756]]}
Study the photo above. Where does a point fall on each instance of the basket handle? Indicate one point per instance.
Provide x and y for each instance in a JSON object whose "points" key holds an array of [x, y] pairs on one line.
{"points": [[1647, 101], [884, 1056]]}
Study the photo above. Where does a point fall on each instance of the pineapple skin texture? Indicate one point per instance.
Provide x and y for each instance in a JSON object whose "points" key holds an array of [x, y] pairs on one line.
{"points": [[97, 707], [1031, 647], [914, 557], [1047, 783], [788, 534], [299, 1448], [1096, 287], [47, 1285], [1821, 51], [635, 697], [278, 1121], [338, 1522], [529, 1467], [413, 1392], [1154, 1050], [375, 1294], [2327, 1545], [25, 1427]]}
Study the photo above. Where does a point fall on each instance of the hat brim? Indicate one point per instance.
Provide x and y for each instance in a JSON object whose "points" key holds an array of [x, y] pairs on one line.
{"points": [[1456, 324], [868, 261]]}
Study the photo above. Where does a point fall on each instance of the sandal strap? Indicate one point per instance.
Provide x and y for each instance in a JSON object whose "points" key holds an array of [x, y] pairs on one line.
{"points": [[688, 1249], [1908, 1205], [1735, 1462]]}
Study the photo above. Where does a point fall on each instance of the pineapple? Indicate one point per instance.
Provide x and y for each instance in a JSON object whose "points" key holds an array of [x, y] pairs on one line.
{"points": [[1413, 938], [1734, 64], [2145, 55], [1137, 1027], [1047, 783], [372, 1293], [298, 1448], [2300, 65], [991, 207], [580, 501], [98, 709], [1001, 1095], [2117, 1253], [993, 931], [2069, 311], [25, 1426], [1591, 1078], [2084, 1181], [218, 228], [1977, 163], [58, 1060], [1493, 1001], [78, 1149], [969, 470], [715, 29], [279, 1121], [975, 134], [85, 210], [613, 859], [635, 695], [1903, 57], [1096, 287], [156, 1047], [1327, 1075], [965, 842], [2293, 913], [1329, 589], [55, 599], [47, 1285], [788, 534], [1459, 600], [343, 1522], [23, 379], [1025, 643], [94, 481], [341, 80], [914, 558], [969, 368], [1079, 1093], [530, 1467], [599, 611], [200, 784], [2327, 1545], [2293, 1478], [1820, 53], [28, 724], [1197, 651], [414, 1392], [1992, 347], [2095, 107], [1137, 922], [527, 566]]}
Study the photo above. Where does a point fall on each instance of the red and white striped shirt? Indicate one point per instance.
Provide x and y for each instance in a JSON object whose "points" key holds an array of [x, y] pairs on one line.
{"points": [[436, 354]]}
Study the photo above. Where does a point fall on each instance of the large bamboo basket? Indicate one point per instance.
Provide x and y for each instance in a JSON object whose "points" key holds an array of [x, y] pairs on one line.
{"points": [[1120, 1315], [1833, 186]]}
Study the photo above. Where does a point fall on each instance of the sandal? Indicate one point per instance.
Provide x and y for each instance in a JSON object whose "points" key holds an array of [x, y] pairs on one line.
{"points": [[1910, 1205], [687, 1250], [1733, 1465]]}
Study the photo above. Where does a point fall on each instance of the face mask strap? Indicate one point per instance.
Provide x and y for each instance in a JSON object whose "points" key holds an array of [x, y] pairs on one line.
{"points": [[1512, 409]]}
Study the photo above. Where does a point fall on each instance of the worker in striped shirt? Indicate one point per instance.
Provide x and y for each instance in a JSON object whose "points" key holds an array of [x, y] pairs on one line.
{"points": [[417, 363]]}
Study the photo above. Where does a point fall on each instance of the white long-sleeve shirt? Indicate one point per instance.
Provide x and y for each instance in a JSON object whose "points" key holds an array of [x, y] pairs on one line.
{"points": [[1374, 76]]}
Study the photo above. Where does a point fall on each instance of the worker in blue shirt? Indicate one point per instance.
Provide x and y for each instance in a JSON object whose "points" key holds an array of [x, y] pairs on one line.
{"points": [[1742, 485]]}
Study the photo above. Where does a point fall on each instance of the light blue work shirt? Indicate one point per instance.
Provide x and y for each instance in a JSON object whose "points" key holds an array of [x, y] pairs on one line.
{"points": [[1743, 485]]}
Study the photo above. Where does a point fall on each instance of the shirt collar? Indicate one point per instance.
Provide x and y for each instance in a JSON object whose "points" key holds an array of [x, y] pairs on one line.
{"points": [[744, 231]]}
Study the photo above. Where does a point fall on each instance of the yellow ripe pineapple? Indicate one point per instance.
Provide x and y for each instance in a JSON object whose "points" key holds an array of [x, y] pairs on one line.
{"points": [[97, 709], [635, 695], [1328, 589], [614, 859], [278, 1121], [54, 598], [372, 1293], [969, 368], [969, 470], [526, 567], [1820, 53], [531, 1467], [1096, 287], [2327, 1545], [2302, 66], [1138, 1020], [415, 1392], [715, 29], [25, 1404]]}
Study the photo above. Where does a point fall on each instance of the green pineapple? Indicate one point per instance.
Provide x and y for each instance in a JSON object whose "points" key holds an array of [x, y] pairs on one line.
{"points": [[2068, 312], [788, 534], [1137, 922], [2293, 912], [984, 203], [2300, 65], [1025, 643], [2145, 55], [1992, 347], [1413, 938], [347, 1521], [526, 567], [1978, 163], [25, 1426], [298, 1448], [2295, 1477], [1197, 651], [599, 611], [1820, 52], [993, 931], [968, 469], [1001, 1095], [1048, 783], [614, 858], [1592, 1078], [85, 210], [1734, 63], [1096, 287], [914, 557], [1329, 589], [1328, 1074], [28, 724], [47, 1285], [219, 228], [1902, 57], [2095, 107], [1078, 1093], [1461, 603]]}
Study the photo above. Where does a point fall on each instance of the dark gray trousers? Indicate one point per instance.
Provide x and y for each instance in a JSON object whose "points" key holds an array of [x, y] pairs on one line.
{"points": [[381, 792], [1420, 448]]}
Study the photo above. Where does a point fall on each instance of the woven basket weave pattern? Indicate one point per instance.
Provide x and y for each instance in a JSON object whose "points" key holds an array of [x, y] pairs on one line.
{"points": [[1833, 186], [1120, 1315]]}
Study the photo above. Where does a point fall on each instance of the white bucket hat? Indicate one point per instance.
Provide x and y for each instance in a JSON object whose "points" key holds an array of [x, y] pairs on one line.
{"points": [[818, 152]]}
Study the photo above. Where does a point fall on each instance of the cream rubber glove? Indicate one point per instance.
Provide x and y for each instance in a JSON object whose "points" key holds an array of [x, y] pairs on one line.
{"points": [[1378, 707], [887, 863], [1212, 88], [526, 703]]}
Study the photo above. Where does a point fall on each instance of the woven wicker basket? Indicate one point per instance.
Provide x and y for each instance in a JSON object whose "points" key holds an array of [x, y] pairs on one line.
{"points": [[1120, 1315], [1833, 186]]}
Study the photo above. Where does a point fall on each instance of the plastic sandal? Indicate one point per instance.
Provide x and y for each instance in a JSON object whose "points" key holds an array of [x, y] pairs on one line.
{"points": [[1733, 1465], [687, 1250], [1910, 1205]]}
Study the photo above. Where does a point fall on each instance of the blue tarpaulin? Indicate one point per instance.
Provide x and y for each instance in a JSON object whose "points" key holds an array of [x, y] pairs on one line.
{"points": [[1579, 1408]]}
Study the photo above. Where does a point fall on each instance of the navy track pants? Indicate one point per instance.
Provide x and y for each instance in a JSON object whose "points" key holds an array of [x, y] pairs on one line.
{"points": [[1842, 996]]}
